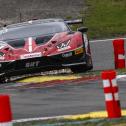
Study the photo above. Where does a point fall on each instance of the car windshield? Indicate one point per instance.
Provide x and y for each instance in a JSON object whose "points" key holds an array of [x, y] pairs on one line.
{"points": [[32, 30]]}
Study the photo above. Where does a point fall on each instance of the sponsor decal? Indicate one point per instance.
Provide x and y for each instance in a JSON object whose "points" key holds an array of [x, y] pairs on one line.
{"points": [[32, 64], [65, 55], [30, 46], [31, 55], [78, 51]]}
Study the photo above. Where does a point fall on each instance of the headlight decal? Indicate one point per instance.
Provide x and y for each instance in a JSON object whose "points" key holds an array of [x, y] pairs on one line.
{"points": [[63, 46]]}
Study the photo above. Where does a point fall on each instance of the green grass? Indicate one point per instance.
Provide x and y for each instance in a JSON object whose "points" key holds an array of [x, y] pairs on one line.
{"points": [[105, 18], [85, 122]]}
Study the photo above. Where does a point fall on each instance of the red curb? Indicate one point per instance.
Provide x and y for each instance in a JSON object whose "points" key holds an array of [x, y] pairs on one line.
{"points": [[55, 83]]}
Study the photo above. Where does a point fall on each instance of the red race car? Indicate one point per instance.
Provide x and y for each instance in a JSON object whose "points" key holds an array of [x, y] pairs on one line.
{"points": [[41, 45]]}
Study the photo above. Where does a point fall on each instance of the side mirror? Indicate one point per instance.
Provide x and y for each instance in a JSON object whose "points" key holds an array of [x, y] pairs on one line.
{"points": [[83, 29]]}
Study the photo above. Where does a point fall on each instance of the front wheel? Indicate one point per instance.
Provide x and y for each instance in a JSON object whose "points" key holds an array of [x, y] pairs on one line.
{"points": [[3, 79]]}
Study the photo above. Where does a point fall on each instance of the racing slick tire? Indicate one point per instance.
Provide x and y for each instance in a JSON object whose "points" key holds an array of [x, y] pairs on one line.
{"points": [[80, 68], [4, 79], [83, 67]]}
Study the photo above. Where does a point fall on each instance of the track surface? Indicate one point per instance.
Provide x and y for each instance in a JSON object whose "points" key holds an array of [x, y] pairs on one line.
{"points": [[102, 54], [62, 99], [80, 97]]}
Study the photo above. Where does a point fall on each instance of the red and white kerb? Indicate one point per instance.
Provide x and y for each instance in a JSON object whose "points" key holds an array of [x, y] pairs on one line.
{"points": [[111, 94], [5, 111]]}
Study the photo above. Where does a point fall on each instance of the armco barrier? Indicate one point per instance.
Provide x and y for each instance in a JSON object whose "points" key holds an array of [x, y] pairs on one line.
{"points": [[5, 111], [111, 94], [119, 53]]}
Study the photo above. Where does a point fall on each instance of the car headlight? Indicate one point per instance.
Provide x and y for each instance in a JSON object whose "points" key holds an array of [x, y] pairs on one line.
{"points": [[63, 45]]}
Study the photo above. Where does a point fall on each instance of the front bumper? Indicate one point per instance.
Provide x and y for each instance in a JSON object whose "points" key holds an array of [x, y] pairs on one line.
{"points": [[30, 65]]}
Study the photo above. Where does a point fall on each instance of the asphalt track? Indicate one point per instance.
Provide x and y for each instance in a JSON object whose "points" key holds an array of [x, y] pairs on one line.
{"points": [[102, 54], [77, 98], [72, 98]]}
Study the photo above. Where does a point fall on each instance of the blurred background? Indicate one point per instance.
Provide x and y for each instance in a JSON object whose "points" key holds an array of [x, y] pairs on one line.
{"points": [[12, 11]]}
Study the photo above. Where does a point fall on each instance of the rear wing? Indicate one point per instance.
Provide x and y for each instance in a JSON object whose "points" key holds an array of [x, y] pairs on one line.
{"points": [[72, 22]]}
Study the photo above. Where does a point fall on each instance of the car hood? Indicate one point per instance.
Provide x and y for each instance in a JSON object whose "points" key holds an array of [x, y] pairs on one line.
{"points": [[39, 40]]}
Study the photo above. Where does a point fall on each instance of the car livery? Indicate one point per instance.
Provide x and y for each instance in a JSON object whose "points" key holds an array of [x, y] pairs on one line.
{"points": [[41, 45]]}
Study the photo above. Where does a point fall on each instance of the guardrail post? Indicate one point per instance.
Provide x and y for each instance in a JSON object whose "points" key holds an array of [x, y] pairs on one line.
{"points": [[119, 53], [5, 111], [111, 94]]}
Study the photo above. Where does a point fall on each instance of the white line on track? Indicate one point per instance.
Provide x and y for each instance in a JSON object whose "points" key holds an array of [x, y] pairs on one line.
{"points": [[121, 76], [105, 40], [39, 118]]}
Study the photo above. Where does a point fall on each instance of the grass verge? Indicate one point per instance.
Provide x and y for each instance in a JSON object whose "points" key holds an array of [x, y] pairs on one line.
{"points": [[78, 122], [105, 18]]}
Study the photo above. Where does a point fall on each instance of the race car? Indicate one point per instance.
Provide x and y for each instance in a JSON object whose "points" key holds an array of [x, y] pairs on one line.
{"points": [[42, 45]]}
